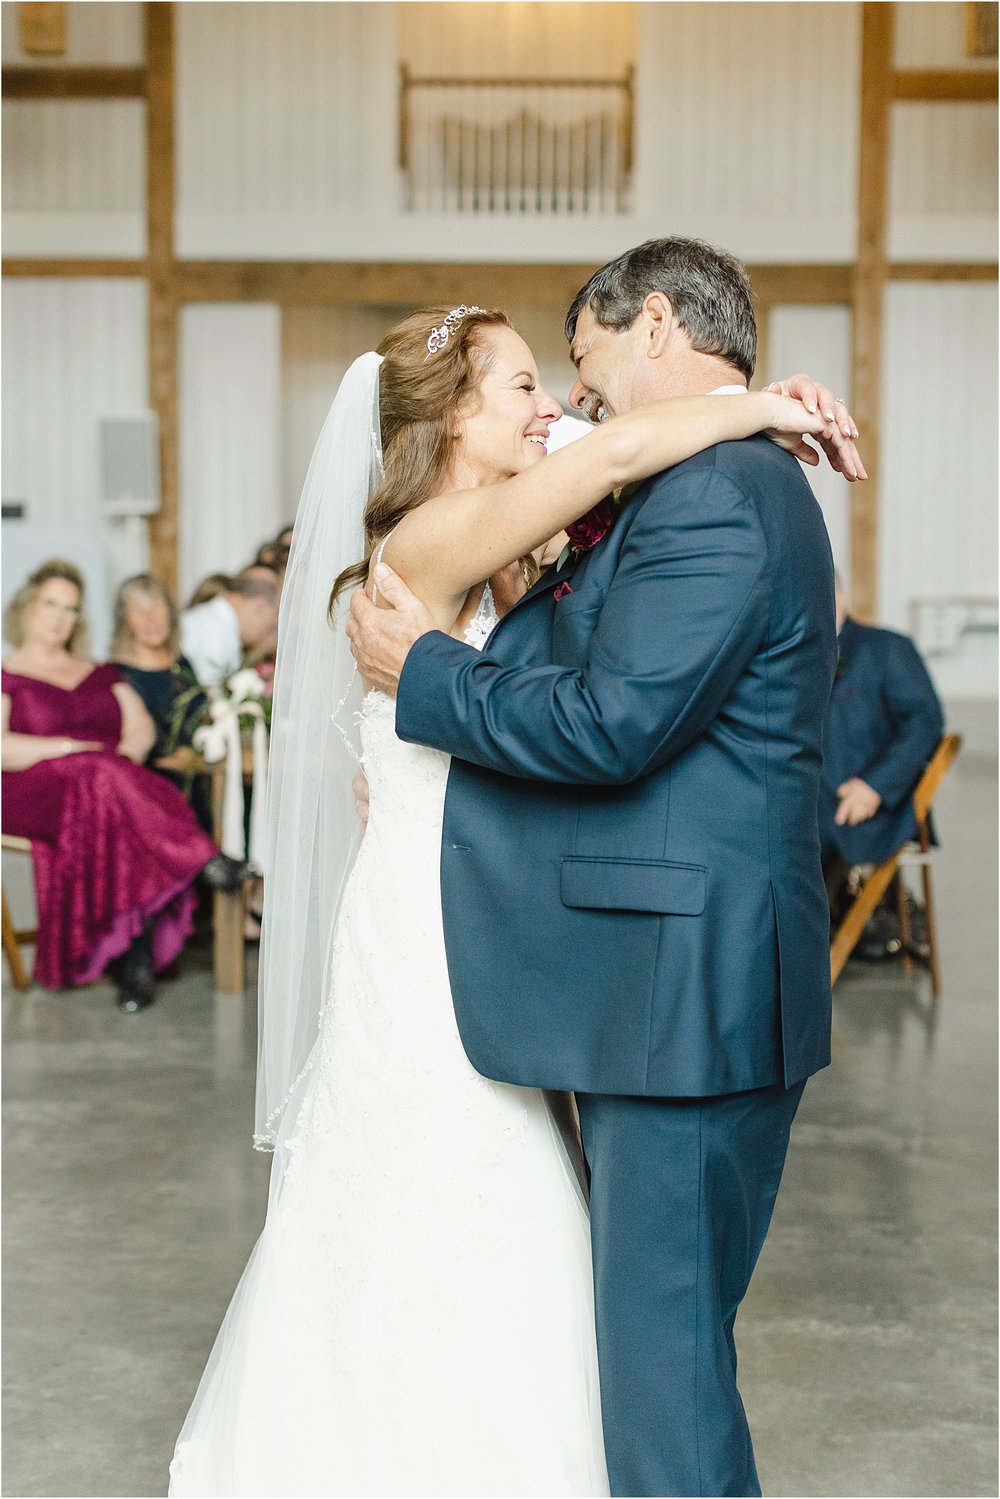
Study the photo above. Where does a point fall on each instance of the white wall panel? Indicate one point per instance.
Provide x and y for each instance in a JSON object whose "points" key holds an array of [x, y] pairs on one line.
{"points": [[230, 437], [286, 123], [96, 32], [748, 125], [492, 38], [73, 351], [817, 340], [74, 177], [943, 182], [938, 520], [931, 34]]}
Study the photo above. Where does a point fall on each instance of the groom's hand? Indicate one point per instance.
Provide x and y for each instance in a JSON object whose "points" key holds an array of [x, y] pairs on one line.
{"points": [[381, 638]]}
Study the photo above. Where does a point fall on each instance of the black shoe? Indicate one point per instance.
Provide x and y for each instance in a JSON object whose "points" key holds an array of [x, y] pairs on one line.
{"points": [[881, 938], [130, 1000], [133, 972], [223, 873]]}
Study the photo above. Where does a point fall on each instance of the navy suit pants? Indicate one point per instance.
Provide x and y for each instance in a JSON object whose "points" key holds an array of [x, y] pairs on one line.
{"points": [[682, 1191]]}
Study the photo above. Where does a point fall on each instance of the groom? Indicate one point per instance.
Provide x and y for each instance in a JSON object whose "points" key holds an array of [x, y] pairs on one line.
{"points": [[633, 902]]}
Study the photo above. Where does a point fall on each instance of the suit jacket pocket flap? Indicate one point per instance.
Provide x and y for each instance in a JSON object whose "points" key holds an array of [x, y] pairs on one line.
{"points": [[580, 600], [634, 885]]}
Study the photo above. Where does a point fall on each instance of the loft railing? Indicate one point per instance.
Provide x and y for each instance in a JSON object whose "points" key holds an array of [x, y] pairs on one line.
{"points": [[516, 145]]}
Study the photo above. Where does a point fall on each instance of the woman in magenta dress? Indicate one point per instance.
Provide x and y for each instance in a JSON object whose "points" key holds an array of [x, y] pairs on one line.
{"points": [[116, 848]]}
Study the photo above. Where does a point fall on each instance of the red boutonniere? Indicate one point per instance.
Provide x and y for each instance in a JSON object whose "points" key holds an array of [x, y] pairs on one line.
{"points": [[585, 533]]}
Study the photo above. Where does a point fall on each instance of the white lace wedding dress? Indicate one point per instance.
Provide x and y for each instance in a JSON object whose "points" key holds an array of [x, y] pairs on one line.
{"points": [[417, 1315]]}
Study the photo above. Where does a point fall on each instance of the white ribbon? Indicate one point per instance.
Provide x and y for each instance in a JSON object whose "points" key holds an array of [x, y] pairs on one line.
{"points": [[258, 825], [220, 740]]}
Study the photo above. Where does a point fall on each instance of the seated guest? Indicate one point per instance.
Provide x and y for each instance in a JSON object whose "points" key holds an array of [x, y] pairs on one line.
{"points": [[209, 588], [146, 649], [885, 722], [273, 554], [214, 636], [116, 849]]}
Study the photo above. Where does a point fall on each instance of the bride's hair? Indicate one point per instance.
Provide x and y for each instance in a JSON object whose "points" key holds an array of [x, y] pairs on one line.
{"points": [[419, 395]]}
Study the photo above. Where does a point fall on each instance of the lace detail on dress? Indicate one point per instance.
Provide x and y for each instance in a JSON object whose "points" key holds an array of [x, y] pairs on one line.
{"points": [[484, 621]]}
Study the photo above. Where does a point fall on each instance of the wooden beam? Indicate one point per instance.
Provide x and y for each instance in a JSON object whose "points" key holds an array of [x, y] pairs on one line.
{"points": [[41, 27], [162, 291], [801, 285], [21, 266], [959, 85], [393, 284], [73, 83], [324, 281], [413, 283], [763, 365], [933, 270], [877, 28]]}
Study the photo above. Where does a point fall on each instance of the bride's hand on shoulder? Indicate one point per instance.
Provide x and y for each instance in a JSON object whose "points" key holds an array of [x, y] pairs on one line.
{"points": [[837, 439]]}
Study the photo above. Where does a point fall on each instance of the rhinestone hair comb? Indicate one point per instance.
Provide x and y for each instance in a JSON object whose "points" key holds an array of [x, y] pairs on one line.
{"points": [[440, 336]]}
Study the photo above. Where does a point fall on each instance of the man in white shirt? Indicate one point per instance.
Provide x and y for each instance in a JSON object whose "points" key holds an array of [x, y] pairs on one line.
{"points": [[215, 635]]}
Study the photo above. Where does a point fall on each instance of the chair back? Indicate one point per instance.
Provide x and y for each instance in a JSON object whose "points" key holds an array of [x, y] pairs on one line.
{"points": [[853, 923], [938, 767]]}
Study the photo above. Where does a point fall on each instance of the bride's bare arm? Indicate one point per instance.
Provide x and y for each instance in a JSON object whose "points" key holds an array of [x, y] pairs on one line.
{"points": [[456, 540]]}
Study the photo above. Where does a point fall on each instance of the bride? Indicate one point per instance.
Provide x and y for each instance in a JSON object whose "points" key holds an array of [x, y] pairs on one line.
{"points": [[417, 1315]]}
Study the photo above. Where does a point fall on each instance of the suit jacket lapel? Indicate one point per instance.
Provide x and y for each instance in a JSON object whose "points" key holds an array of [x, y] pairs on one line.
{"points": [[553, 576], [550, 579]]}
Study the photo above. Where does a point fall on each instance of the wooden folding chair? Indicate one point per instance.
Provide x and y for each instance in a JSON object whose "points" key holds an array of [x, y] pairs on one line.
{"points": [[910, 854], [14, 938]]}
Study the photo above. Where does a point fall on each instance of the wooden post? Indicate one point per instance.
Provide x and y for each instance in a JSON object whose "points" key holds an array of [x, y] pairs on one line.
{"points": [[161, 285], [871, 274], [763, 344]]}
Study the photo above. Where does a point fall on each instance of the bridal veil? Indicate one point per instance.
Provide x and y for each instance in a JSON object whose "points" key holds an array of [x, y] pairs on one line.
{"points": [[313, 830]]}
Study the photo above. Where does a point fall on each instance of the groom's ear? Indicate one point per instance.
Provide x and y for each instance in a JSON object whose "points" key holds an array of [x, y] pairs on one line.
{"points": [[659, 323]]}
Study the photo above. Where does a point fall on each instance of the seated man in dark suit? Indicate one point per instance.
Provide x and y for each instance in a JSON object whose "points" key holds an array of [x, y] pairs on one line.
{"points": [[885, 722]]}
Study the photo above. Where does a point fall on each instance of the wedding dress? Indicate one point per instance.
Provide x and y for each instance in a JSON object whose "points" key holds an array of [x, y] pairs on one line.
{"points": [[417, 1316]]}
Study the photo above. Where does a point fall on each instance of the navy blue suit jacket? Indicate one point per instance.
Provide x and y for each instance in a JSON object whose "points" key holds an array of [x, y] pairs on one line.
{"points": [[633, 900], [885, 723]]}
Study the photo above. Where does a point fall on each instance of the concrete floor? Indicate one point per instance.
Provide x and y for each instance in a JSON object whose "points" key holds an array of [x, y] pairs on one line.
{"points": [[868, 1341]]}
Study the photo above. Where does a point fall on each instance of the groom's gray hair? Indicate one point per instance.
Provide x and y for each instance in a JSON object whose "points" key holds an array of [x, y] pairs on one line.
{"points": [[709, 291]]}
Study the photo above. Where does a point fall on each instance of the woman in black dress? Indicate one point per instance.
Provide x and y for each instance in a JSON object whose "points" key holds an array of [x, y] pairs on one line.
{"points": [[146, 650]]}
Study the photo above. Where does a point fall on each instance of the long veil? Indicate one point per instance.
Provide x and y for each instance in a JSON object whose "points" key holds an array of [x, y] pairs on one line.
{"points": [[312, 828]]}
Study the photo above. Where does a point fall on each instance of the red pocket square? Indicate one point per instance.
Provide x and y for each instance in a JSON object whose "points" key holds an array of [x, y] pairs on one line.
{"points": [[562, 590]]}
